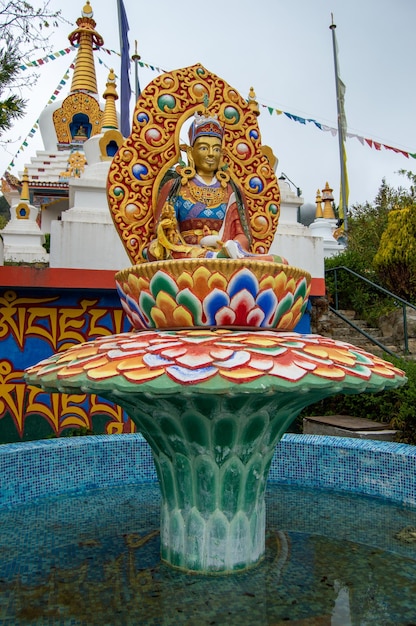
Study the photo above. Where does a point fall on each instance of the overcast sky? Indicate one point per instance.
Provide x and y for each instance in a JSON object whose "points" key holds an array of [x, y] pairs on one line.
{"points": [[284, 50]]}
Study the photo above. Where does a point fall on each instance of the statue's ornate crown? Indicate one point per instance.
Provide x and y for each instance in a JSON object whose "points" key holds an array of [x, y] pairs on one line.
{"points": [[204, 125]]}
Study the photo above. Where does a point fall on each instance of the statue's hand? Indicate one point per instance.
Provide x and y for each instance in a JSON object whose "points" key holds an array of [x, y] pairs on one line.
{"points": [[211, 241]]}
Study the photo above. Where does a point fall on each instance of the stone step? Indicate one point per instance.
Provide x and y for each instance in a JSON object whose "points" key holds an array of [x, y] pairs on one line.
{"points": [[347, 313], [373, 348], [348, 331], [330, 325], [362, 341], [337, 321], [351, 332], [341, 331], [347, 426]]}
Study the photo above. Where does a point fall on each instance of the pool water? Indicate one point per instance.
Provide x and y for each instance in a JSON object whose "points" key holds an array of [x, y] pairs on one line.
{"points": [[331, 559]]}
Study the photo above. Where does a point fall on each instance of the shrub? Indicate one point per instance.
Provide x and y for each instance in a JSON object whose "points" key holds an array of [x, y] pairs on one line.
{"points": [[47, 243], [395, 261], [351, 292]]}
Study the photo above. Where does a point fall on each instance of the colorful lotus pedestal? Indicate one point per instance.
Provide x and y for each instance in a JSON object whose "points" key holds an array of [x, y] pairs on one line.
{"points": [[234, 293], [212, 404]]}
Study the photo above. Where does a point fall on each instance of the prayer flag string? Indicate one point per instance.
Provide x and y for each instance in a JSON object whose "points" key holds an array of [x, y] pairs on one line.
{"points": [[376, 145]]}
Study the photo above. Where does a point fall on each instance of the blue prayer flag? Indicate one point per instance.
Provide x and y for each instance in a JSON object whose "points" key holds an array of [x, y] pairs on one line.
{"points": [[125, 71]]}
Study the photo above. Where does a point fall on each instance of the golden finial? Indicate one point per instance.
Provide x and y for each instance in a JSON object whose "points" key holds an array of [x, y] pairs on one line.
{"points": [[87, 39], [318, 201], [87, 10], [136, 56], [111, 84], [328, 199], [252, 102]]}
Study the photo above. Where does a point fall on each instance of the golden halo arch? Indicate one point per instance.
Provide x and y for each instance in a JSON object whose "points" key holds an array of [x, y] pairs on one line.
{"points": [[154, 146]]}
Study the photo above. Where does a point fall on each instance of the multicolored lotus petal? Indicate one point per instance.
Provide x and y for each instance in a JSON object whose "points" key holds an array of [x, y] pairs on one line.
{"points": [[191, 293], [214, 357]]}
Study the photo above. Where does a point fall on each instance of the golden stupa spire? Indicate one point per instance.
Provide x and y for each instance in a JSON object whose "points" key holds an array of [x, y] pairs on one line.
{"points": [[318, 202], [25, 194], [328, 199], [110, 95], [88, 39], [23, 209]]}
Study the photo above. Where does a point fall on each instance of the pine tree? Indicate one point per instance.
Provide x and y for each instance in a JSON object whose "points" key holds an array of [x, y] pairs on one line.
{"points": [[12, 106]]}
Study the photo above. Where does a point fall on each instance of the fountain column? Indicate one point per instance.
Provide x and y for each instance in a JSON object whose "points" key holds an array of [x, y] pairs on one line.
{"points": [[212, 455]]}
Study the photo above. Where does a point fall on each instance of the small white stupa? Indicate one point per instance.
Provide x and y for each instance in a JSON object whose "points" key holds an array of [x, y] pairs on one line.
{"points": [[325, 224], [22, 237], [293, 240]]}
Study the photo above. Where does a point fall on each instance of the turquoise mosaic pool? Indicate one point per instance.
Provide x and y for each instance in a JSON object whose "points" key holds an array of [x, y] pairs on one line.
{"points": [[79, 540]]}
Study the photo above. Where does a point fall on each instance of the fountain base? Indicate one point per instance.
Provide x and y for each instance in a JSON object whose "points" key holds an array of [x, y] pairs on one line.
{"points": [[212, 545]]}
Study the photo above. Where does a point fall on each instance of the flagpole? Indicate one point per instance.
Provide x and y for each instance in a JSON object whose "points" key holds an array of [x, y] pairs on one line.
{"points": [[341, 137], [136, 58], [124, 70]]}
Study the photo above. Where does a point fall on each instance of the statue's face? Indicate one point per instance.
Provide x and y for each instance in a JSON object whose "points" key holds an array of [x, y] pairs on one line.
{"points": [[206, 153]]}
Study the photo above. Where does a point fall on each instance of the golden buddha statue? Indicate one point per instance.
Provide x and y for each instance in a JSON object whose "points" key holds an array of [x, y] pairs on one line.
{"points": [[223, 203], [201, 211], [199, 234]]}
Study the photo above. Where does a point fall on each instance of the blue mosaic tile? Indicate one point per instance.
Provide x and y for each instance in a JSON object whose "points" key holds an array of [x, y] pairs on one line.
{"points": [[375, 468], [35, 470]]}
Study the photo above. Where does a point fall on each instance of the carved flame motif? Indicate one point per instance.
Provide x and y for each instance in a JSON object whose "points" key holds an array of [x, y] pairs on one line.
{"points": [[153, 147]]}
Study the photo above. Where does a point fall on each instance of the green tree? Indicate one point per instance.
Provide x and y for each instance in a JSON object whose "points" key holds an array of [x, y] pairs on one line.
{"points": [[369, 234], [366, 225], [4, 212], [23, 29], [395, 261], [12, 106], [382, 247], [368, 222]]}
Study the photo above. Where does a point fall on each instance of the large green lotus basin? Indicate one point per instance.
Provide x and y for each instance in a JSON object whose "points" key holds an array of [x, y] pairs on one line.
{"points": [[212, 405]]}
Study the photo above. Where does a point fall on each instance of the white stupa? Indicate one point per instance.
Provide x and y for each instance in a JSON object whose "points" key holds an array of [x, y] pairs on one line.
{"points": [[67, 180], [22, 239]]}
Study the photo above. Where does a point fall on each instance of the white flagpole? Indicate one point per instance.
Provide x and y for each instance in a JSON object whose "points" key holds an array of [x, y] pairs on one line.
{"points": [[341, 137]]}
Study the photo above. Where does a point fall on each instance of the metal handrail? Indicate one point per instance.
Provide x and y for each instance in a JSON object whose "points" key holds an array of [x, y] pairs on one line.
{"points": [[397, 299], [363, 332]]}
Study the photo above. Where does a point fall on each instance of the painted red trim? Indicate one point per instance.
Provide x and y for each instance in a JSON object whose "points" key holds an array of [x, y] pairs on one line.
{"points": [[56, 277], [318, 287], [66, 278]]}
